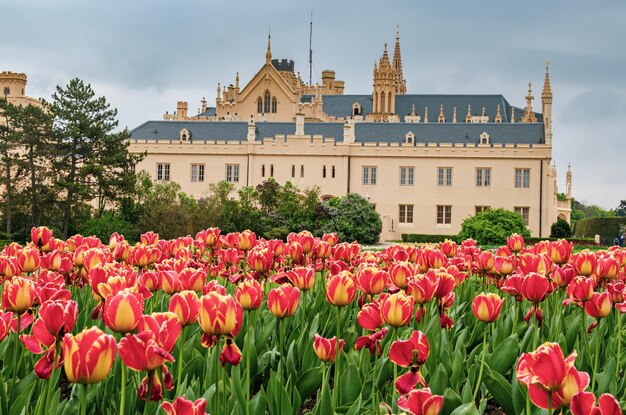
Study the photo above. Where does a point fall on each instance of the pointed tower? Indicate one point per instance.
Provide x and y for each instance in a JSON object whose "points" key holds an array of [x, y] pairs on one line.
{"points": [[568, 182], [529, 115], [546, 106], [397, 65], [268, 53], [384, 95]]}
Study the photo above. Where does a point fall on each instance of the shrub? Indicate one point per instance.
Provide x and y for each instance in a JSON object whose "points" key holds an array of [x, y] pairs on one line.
{"points": [[424, 238], [493, 226], [605, 227], [353, 218], [560, 229], [104, 225]]}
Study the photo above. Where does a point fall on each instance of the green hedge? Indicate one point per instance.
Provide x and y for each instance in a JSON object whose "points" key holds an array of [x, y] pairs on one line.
{"points": [[423, 238], [605, 227]]}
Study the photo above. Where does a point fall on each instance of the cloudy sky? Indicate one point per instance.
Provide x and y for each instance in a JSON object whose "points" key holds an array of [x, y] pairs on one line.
{"points": [[144, 55]]}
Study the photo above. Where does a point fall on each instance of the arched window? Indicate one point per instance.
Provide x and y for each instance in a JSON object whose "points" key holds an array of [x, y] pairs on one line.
{"points": [[266, 102], [259, 105], [356, 109], [382, 102], [389, 102], [274, 105]]}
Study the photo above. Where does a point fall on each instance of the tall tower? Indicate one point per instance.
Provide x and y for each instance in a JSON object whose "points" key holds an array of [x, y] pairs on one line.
{"points": [[546, 106], [12, 84], [384, 94], [397, 65]]}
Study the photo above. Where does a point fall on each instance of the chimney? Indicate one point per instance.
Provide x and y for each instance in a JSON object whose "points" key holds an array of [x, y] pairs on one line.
{"points": [[348, 132], [251, 131], [181, 109], [299, 123]]}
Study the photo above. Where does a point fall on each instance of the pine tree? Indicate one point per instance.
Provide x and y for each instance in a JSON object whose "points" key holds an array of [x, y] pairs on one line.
{"points": [[8, 146], [91, 159]]}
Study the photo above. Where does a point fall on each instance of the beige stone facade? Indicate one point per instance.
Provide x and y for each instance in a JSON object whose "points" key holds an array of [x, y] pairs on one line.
{"points": [[423, 175]]}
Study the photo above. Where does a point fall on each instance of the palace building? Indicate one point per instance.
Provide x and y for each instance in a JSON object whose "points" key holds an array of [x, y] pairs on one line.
{"points": [[425, 161]]}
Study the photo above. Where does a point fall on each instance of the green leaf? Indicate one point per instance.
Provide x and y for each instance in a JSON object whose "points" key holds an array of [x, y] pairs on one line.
{"points": [[504, 356], [439, 381], [385, 369], [17, 405], [466, 409], [309, 382], [324, 401], [355, 409], [604, 378], [518, 396], [258, 404], [350, 384], [236, 386], [499, 388], [457, 367], [451, 401]]}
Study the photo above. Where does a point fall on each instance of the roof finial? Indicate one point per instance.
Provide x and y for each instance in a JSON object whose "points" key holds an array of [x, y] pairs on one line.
{"points": [[498, 115], [441, 118], [268, 54], [547, 89], [468, 117], [425, 114], [529, 115], [454, 115], [397, 65], [237, 80], [397, 32]]}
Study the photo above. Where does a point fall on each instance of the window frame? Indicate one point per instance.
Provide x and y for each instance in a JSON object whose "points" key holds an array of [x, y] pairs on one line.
{"points": [[524, 212], [444, 176], [198, 175], [522, 178], [445, 216], [232, 173], [406, 213], [165, 172], [483, 176]]}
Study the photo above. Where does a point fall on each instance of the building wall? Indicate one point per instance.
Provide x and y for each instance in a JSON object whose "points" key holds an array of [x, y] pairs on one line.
{"points": [[387, 194]]}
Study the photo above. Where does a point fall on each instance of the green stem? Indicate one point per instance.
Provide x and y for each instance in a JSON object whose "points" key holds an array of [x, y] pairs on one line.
{"points": [[549, 403], [583, 333], [149, 395], [619, 344], [123, 397], [280, 347], [595, 359], [337, 383], [179, 371], [482, 363], [83, 399], [16, 346], [249, 332], [224, 393], [217, 377], [374, 385]]}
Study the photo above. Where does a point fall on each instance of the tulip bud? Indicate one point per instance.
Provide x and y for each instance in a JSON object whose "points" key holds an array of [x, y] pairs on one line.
{"points": [[283, 301], [397, 309], [18, 295], [341, 289], [122, 311], [186, 306], [326, 349], [88, 357], [28, 260], [486, 307]]}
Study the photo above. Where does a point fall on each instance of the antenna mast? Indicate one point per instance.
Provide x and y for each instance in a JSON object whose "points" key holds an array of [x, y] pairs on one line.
{"points": [[311, 51]]}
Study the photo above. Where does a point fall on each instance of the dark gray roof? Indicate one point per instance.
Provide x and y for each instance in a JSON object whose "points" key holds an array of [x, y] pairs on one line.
{"points": [[230, 131], [341, 106], [431, 132], [210, 112], [450, 133]]}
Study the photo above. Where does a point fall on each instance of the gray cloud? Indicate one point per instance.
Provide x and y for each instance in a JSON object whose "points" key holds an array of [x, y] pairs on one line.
{"points": [[145, 55]]}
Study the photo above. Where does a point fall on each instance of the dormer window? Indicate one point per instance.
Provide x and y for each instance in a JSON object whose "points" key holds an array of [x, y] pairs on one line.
{"points": [[185, 135], [356, 109], [484, 138], [409, 137]]}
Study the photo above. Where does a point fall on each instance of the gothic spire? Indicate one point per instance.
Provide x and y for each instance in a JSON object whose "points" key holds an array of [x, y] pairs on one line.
{"points": [[268, 54], [529, 115], [547, 89], [397, 65]]}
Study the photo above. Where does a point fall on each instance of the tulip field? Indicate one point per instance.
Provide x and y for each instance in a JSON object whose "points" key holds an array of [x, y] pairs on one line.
{"points": [[235, 324]]}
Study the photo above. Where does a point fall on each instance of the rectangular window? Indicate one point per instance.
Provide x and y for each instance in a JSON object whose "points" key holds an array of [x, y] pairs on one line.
{"points": [[407, 175], [522, 178], [323, 172], [232, 173], [406, 214], [271, 170], [369, 174], [483, 176], [332, 174], [293, 170], [262, 170], [197, 172], [302, 170], [444, 214], [481, 209], [524, 211], [163, 172], [444, 176]]}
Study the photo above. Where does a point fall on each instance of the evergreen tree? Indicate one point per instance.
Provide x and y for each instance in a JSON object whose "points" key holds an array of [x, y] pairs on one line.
{"points": [[91, 160], [8, 146]]}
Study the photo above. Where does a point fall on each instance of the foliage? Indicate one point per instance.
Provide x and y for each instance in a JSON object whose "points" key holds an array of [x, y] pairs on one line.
{"points": [[105, 224], [560, 229], [90, 160], [423, 238], [493, 226], [621, 209], [605, 227], [354, 218]]}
